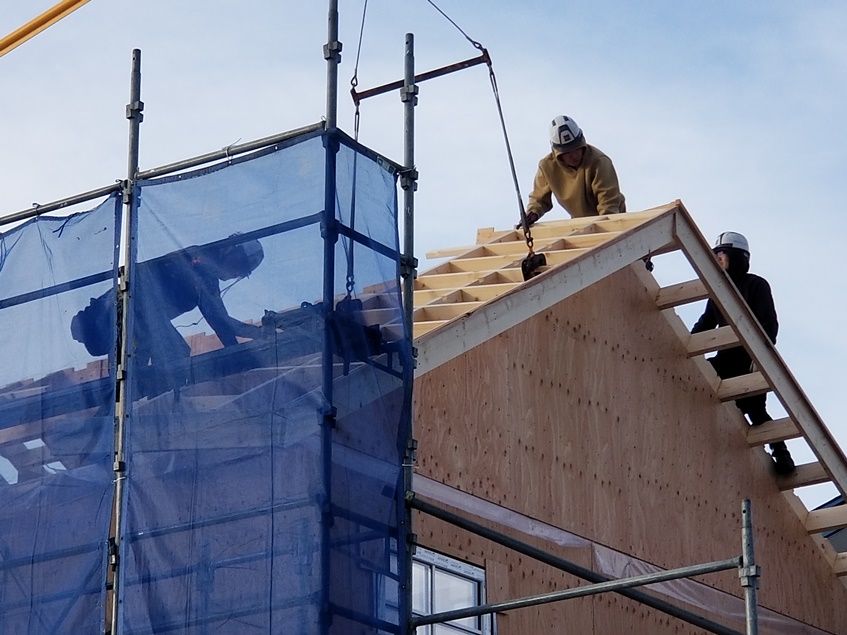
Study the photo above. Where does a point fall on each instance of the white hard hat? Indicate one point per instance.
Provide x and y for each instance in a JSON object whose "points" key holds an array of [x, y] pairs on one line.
{"points": [[565, 134], [732, 240]]}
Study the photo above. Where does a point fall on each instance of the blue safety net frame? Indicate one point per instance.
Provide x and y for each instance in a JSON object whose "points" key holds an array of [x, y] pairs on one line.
{"points": [[57, 413], [267, 396]]}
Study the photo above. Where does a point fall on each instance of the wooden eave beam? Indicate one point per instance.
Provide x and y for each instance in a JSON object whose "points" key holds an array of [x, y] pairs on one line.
{"points": [[767, 359]]}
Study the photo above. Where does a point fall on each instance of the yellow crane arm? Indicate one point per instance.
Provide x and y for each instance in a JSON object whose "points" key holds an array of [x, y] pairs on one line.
{"points": [[37, 25]]}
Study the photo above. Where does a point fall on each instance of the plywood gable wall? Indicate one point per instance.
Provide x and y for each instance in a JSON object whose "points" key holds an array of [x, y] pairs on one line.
{"points": [[590, 417]]}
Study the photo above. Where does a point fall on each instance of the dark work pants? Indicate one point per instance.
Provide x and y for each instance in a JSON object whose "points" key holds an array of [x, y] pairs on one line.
{"points": [[734, 362]]}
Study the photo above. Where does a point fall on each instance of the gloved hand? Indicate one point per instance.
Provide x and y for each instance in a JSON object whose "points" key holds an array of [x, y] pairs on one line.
{"points": [[531, 219]]}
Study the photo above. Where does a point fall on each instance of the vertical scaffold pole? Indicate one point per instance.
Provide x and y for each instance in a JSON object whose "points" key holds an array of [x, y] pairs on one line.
{"points": [[332, 55], [134, 115], [409, 182], [408, 264], [749, 572]]}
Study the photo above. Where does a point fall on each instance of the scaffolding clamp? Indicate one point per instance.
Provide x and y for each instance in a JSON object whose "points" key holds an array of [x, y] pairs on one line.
{"points": [[113, 553], [328, 415], [134, 109], [408, 266], [409, 93], [749, 576], [332, 51], [409, 179]]}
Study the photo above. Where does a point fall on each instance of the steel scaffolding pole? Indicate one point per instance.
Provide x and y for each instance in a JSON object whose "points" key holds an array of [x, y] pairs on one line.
{"points": [[332, 55], [749, 572], [134, 115], [408, 181]]}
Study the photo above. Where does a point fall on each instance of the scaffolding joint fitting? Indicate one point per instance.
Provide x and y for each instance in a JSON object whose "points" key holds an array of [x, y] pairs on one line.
{"points": [[408, 266], [329, 231], [329, 414], [332, 51], [134, 109], [409, 179], [113, 553], [412, 450], [119, 466], [409, 93], [749, 576], [126, 192]]}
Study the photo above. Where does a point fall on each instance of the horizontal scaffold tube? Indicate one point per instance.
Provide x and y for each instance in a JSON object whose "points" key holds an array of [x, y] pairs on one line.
{"points": [[569, 567]]}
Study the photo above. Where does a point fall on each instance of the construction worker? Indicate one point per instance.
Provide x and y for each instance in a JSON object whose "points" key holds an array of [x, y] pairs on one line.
{"points": [[580, 176], [170, 286], [733, 254]]}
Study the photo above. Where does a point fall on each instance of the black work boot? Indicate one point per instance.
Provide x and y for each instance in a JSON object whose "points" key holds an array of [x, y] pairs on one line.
{"points": [[783, 463]]}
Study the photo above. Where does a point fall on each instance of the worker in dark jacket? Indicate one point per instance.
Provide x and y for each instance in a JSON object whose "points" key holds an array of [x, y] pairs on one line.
{"points": [[580, 176], [733, 253], [165, 288]]}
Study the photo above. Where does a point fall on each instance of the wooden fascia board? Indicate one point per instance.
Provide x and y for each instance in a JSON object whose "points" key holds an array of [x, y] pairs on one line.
{"points": [[767, 359], [540, 293]]}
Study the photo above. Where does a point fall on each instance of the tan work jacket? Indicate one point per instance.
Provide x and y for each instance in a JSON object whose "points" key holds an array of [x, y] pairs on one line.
{"points": [[588, 190]]}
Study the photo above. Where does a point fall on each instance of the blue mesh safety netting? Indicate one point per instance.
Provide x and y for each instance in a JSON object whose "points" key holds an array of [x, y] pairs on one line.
{"points": [[267, 375], [57, 408]]}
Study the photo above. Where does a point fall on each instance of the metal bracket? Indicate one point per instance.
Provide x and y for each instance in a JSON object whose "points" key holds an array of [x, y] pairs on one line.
{"points": [[126, 192], [408, 266], [134, 108], [332, 51], [328, 415], [749, 576], [409, 179], [409, 93]]}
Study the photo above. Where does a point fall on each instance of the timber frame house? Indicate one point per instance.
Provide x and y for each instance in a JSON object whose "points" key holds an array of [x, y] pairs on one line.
{"points": [[576, 406]]}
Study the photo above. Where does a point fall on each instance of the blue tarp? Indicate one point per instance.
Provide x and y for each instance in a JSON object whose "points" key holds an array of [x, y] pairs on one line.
{"points": [[240, 482], [266, 397], [57, 407]]}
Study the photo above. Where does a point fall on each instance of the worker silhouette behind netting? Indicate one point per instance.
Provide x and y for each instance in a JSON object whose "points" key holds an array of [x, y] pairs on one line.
{"points": [[165, 288]]}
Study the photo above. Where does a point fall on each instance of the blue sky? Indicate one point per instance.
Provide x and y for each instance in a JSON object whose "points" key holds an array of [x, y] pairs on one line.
{"points": [[735, 108]]}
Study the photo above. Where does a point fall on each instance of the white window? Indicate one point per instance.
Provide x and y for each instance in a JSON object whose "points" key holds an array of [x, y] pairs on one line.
{"points": [[439, 583]]}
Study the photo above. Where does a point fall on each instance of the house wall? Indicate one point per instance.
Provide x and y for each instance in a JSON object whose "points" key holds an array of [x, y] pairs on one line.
{"points": [[590, 417]]}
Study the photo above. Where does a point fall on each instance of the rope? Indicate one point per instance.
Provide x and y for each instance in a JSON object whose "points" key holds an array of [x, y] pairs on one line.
{"points": [[493, 78], [476, 44], [350, 282]]}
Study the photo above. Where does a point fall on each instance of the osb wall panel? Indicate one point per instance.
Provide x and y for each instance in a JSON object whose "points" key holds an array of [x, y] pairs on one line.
{"points": [[590, 417]]}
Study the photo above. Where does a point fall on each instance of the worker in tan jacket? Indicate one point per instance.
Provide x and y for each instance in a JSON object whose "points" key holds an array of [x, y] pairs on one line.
{"points": [[580, 176]]}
